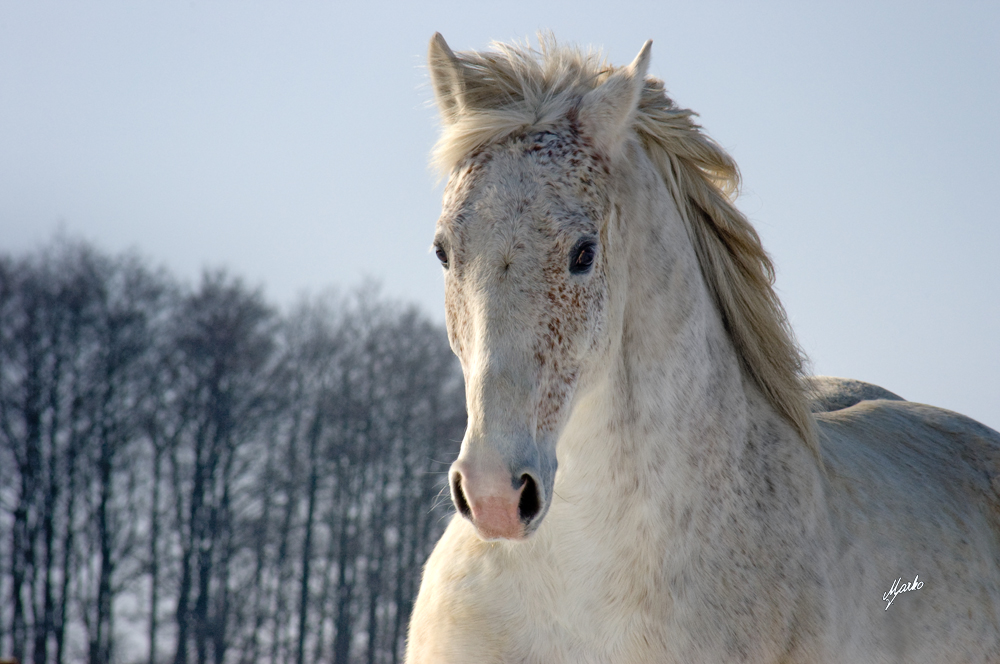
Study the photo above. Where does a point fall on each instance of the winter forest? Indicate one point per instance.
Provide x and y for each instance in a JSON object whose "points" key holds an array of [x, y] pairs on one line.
{"points": [[191, 475]]}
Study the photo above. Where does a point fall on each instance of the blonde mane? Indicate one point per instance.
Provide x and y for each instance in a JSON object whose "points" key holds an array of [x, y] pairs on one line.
{"points": [[515, 89]]}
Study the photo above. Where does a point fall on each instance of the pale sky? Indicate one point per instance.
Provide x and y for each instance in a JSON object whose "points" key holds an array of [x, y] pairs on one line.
{"points": [[288, 142]]}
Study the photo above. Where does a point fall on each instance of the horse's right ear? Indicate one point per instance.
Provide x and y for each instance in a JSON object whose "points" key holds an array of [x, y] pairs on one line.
{"points": [[447, 77]]}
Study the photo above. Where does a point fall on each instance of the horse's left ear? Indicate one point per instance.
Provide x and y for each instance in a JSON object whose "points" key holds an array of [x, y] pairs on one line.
{"points": [[606, 112]]}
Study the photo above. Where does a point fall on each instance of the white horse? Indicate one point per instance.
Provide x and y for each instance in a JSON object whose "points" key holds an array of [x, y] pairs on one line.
{"points": [[613, 310]]}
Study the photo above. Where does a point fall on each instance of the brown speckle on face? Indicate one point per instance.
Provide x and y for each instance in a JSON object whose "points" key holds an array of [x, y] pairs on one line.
{"points": [[512, 214]]}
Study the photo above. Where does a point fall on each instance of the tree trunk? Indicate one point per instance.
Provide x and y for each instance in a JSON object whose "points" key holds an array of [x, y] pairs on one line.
{"points": [[220, 621], [23, 552], [101, 639], [188, 547], [345, 596], [69, 541], [314, 435], [53, 482], [154, 548]]}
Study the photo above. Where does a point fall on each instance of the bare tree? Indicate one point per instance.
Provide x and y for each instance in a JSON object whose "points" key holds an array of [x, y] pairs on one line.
{"points": [[224, 333], [190, 466]]}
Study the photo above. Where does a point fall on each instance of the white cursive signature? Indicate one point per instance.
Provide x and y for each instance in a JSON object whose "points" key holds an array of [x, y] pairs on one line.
{"points": [[916, 584]]}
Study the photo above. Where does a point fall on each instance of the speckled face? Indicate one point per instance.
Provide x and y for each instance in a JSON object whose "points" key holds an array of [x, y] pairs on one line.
{"points": [[520, 239]]}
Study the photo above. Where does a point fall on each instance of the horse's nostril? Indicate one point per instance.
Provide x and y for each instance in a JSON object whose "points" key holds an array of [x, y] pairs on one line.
{"points": [[459, 496], [528, 506]]}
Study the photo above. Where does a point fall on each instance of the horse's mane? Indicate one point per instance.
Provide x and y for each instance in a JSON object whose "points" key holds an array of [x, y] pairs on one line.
{"points": [[515, 89]]}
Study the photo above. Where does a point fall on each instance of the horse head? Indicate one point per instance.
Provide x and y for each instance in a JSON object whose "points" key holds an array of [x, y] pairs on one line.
{"points": [[524, 242]]}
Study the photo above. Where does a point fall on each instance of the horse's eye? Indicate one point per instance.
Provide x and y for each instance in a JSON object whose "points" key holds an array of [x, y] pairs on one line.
{"points": [[582, 258], [442, 256]]}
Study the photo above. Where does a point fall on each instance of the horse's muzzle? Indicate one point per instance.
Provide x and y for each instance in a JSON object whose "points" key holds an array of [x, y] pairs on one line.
{"points": [[500, 504]]}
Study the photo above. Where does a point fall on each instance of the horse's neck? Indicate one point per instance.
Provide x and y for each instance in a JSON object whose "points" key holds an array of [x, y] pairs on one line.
{"points": [[668, 408], [656, 439]]}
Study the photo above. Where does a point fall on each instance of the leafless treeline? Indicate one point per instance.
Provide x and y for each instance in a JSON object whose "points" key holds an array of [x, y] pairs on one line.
{"points": [[192, 477]]}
